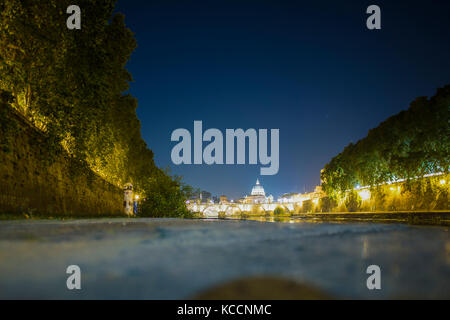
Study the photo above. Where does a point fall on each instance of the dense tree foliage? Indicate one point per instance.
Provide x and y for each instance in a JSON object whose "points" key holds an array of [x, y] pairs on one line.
{"points": [[71, 84], [408, 145], [166, 197], [279, 211]]}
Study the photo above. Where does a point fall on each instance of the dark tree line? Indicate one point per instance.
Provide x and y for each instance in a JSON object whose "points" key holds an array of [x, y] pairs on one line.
{"points": [[72, 84], [408, 145]]}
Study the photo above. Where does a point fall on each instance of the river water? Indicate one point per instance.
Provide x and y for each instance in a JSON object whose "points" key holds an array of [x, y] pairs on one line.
{"points": [[174, 258]]}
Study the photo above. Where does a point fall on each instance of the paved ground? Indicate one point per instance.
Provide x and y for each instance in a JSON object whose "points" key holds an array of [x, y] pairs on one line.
{"points": [[170, 258]]}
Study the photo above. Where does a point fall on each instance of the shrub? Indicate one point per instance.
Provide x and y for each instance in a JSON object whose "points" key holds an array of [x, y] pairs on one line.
{"points": [[164, 197]]}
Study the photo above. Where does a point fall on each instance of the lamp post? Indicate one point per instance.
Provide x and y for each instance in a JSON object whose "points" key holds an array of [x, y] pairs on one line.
{"points": [[128, 199]]}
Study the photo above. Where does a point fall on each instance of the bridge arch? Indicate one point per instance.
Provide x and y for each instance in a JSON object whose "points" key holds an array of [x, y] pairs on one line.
{"points": [[214, 210], [210, 211]]}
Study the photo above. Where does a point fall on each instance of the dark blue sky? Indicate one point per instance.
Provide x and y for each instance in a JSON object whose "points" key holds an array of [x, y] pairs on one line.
{"points": [[310, 68]]}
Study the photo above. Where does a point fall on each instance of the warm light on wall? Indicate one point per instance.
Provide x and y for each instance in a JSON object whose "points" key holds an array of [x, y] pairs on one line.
{"points": [[364, 194], [315, 201]]}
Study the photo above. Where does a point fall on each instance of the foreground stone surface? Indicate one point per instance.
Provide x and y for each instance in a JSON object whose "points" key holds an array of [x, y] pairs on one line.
{"points": [[173, 259]]}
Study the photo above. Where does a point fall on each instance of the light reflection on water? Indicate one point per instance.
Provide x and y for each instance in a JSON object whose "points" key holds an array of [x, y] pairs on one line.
{"points": [[272, 219]]}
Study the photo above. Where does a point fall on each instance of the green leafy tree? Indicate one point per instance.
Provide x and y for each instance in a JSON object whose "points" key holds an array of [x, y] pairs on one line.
{"points": [[164, 197], [279, 211], [71, 85], [407, 145]]}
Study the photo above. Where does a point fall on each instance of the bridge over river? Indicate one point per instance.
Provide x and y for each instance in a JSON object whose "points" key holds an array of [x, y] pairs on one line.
{"points": [[230, 209]]}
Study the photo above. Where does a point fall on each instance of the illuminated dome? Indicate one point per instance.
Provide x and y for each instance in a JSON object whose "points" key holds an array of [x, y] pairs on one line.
{"points": [[258, 190]]}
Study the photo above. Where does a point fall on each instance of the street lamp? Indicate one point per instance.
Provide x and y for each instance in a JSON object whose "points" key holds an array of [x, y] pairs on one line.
{"points": [[364, 194]]}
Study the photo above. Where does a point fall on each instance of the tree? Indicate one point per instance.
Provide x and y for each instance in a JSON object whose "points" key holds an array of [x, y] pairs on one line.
{"points": [[164, 197], [71, 85], [408, 145]]}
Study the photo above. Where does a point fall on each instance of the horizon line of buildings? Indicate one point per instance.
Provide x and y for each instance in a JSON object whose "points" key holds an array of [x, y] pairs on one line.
{"points": [[258, 196]]}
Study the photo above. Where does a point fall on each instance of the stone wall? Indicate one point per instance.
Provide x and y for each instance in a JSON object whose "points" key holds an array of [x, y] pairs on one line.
{"points": [[34, 180]]}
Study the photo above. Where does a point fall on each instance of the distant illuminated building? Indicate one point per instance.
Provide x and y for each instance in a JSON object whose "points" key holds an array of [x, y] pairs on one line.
{"points": [[205, 196], [223, 199], [258, 189], [300, 197], [258, 195]]}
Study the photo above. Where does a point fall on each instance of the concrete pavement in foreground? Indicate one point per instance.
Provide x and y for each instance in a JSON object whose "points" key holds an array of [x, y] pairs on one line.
{"points": [[176, 259]]}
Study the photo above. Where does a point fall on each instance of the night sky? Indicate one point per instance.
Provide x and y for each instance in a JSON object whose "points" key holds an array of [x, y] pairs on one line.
{"points": [[310, 68]]}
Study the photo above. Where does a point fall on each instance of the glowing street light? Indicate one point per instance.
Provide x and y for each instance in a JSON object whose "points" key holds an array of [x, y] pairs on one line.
{"points": [[442, 181], [364, 194], [136, 197]]}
